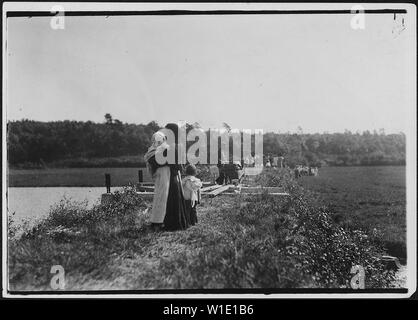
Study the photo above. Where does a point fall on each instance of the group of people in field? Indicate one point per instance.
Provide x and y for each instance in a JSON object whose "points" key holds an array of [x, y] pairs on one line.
{"points": [[306, 171], [175, 198], [274, 161]]}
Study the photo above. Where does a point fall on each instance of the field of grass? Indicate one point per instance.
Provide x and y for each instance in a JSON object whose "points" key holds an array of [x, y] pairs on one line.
{"points": [[366, 198], [73, 177], [95, 162], [240, 242]]}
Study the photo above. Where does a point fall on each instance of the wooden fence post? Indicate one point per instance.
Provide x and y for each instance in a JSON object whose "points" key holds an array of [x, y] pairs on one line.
{"points": [[140, 176], [107, 181]]}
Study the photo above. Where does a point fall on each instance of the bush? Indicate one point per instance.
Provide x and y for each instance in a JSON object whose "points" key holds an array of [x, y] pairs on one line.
{"points": [[81, 240], [274, 177], [324, 249]]}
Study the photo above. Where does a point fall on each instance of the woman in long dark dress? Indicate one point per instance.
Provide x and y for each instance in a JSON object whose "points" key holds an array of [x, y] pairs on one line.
{"points": [[175, 215]]}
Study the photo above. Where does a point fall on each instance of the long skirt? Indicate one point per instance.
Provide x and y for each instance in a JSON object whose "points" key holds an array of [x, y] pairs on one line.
{"points": [[175, 217], [161, 191], [191, 212]]}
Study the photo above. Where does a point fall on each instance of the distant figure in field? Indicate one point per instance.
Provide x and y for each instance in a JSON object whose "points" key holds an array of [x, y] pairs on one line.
{"points": [[314, 171], [191, 191], [214, 173], [275, 162], [268, 164], [281, 159], [297, 173], [222, 162], [301, 171], [258, 161], [251, 161]]}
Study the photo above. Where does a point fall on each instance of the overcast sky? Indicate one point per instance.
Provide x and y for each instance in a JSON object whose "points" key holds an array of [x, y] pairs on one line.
{"points": [[274, 72]]}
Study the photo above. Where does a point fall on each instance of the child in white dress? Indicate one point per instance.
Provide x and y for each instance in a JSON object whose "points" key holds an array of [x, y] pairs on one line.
{"points": [[191, 191]]}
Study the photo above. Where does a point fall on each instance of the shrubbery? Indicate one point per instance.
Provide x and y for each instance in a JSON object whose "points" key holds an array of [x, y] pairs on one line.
{"points": [[80, 239], [326, 250]]}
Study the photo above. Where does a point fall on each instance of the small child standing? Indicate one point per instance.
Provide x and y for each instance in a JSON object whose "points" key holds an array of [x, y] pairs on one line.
{"points": [[191, 191]]}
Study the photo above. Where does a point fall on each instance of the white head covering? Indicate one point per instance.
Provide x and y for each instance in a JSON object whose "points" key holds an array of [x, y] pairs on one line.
{"points": [[158, 140]]}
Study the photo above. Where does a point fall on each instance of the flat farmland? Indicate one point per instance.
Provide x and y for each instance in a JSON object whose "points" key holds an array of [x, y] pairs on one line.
{"points": [[73, 177], [367, 198]]}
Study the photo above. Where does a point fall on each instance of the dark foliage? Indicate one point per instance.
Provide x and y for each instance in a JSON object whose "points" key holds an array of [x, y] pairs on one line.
{"points": [[44, 142], [338, 149], [88, 144]]}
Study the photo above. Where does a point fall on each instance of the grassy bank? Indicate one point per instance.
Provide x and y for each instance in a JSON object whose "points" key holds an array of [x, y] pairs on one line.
{"points": [[245, 242]]}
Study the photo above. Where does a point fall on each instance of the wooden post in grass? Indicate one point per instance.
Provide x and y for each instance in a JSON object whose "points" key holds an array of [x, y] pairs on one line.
{"points": [[107, 181], [140, 176]]}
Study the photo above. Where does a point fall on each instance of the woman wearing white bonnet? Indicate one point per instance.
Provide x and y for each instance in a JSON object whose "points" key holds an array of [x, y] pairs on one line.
{"points": [[161, 177]]}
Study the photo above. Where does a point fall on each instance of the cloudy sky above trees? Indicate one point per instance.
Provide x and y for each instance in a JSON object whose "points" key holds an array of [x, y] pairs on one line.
{"points": [[275, 72]]}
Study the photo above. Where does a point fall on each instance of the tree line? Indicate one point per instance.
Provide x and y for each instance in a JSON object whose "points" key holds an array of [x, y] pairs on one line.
{"points": [[338, 149], [86, 143]]}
